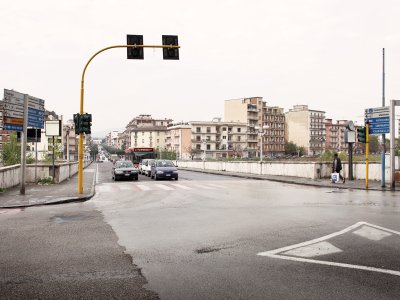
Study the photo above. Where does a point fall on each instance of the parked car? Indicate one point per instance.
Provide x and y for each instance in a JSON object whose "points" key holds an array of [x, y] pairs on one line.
{"points": [[146, 166], [124, 169], [163, 169]]}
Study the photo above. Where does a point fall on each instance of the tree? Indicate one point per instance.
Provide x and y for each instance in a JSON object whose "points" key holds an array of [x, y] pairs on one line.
{"points": [[292, 149], [373, 144], [11, 154], [192, 151]]}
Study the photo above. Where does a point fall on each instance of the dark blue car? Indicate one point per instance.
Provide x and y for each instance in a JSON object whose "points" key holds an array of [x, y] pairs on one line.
{"points": [[163, 169]]}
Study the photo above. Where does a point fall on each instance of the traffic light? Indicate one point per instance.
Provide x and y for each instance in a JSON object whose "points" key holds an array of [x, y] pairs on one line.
{"points": [[134, 52], [170, 53], [86, 123], [77, 123], [361, 135]]}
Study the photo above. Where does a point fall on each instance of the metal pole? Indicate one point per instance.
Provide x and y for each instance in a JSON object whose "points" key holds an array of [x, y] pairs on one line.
{"points": [[392, 146], [54, 168], [261, 147], [80, 148], [350, 161], [23, 145], [366, 154], [35, 155], [383, 135]]}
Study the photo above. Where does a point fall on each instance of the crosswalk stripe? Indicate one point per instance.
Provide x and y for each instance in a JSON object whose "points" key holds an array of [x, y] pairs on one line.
{"points": [[164, 187], [143, 187], [125, 187], [202, 186], [216, 186], [104, 188], [181, 186]]}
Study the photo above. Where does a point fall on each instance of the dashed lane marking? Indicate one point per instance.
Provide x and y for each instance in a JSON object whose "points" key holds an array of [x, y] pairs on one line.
{"points": [[318, 246]]}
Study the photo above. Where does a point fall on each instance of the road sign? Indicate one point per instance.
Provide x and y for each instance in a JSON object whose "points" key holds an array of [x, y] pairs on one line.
{"points": [[35, 118], [16, 121], [378, 119], [13, 127], [377, 112]]}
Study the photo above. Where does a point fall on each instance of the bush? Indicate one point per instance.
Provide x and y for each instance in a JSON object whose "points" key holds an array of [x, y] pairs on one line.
{"points": [[45, 181]]}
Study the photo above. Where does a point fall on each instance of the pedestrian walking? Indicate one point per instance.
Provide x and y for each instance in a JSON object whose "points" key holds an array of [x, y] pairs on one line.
{"points": [[337, 166]]}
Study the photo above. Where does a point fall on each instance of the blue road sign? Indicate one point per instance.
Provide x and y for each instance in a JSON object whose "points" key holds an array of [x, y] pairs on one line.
{"points": [[35, 118], [378, 125], [13, 127]]}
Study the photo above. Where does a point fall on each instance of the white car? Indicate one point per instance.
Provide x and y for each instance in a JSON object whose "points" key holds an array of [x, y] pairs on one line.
{"points": [[146, 167]]}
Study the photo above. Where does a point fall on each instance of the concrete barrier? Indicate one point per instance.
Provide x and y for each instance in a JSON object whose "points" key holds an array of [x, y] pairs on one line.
{"points": [[312, 170], [10, 176]]}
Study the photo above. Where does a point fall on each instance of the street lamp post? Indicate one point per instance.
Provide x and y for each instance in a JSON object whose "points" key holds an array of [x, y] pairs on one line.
{"points": [[262, 133], [204, 149]]}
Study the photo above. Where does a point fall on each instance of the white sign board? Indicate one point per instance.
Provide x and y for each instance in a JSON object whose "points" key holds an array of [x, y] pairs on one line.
{"points": [[377, 112], [53, 128]]}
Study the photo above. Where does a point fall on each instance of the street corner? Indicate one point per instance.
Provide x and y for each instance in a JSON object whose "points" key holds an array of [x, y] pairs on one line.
{"points": [[355, 247]]}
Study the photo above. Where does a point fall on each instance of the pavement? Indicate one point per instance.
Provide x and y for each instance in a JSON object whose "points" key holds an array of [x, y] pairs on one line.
{"points": [[67, 191]]}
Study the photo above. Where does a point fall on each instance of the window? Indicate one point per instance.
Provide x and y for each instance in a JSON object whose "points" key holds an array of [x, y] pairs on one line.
{"points": [[239, 129], [223, 128], [208, 147], [198, 146], [208, 129], [198, 138], [208, 138], [198, 129], [224, 137], [238, 138], [142, 141], [158, 140]]}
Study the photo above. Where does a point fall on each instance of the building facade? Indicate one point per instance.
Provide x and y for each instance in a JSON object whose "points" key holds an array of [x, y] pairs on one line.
{"points": [[255, 113], [306, 128]]}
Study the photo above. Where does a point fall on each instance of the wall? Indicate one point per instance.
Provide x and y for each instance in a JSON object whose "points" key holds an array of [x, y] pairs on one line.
{"points": [[312, 170], [10, 176]]}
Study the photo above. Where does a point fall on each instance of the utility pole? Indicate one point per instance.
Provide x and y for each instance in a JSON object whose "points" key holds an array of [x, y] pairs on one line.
{"points": [[383, 155]]}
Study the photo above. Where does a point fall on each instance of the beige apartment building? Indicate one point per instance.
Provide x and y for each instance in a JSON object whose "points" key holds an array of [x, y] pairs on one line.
{"points": [[144, 131], [255, 113], [178, 139], [306, 128], [217, 139]]}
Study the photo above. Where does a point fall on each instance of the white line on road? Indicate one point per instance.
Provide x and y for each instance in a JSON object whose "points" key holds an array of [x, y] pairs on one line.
{"points": [[274, 253], [181, 186], [164, 187], [143, 187], [202, 186]]}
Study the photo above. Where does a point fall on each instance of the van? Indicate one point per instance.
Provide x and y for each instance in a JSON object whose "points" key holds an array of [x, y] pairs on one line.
{"points": [[146, 167]]}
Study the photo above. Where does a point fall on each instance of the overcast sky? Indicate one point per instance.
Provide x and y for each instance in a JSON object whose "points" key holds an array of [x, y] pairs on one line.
{"points": [[324, 53]]}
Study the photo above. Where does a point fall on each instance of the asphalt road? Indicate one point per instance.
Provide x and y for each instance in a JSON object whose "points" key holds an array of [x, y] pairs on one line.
{"points": [[213, 237], [204, 237]]}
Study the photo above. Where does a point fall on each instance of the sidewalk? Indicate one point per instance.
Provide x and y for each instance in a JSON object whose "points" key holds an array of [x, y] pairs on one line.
{"points": [[66, 191], [323, 182]]}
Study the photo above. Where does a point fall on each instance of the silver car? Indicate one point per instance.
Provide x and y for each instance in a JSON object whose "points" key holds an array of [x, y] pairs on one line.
{"points": [[124, 169]]}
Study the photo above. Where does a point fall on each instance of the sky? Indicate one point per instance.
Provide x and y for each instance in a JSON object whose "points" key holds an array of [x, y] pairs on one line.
{"points": [[323, 53]]}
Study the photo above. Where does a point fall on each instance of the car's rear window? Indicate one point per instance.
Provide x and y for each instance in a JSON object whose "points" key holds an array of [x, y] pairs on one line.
{"points": [[165, 163], [124, 164]]}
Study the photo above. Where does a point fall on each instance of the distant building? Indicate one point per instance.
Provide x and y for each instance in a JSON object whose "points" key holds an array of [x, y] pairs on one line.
{"points": [[178, 139], [306, 128], [255, 113], [145, 131]]}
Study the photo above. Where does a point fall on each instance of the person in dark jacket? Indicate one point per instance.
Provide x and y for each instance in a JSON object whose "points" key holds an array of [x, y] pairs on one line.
{"points": [[337, 166]]}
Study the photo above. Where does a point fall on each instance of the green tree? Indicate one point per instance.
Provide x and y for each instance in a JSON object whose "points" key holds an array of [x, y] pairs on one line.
{"points": [[11, 154]]}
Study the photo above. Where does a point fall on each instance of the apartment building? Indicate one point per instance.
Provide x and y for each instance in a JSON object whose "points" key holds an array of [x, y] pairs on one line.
{"points": [[178, 139], [145, 131], [217, 139], [335, 133], [306, 128], [70, 141], [255, 113]]}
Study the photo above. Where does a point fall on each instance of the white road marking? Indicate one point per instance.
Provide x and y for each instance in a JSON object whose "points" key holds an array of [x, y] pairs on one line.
{"points": [[104, 188], [10, 211], [372, 234], [143, 187], [274, 253], [202, 186], [216, 186], [321, 248], [181, 186], [164, 187], [125, 187]]}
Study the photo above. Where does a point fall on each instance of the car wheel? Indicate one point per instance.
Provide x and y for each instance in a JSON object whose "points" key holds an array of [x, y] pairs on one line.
{"points": [[176, 178], [151, 176], [136, 178]]}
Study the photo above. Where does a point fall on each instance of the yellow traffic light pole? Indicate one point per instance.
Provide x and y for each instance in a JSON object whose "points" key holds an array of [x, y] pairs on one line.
{"points": [[80, 147]]}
